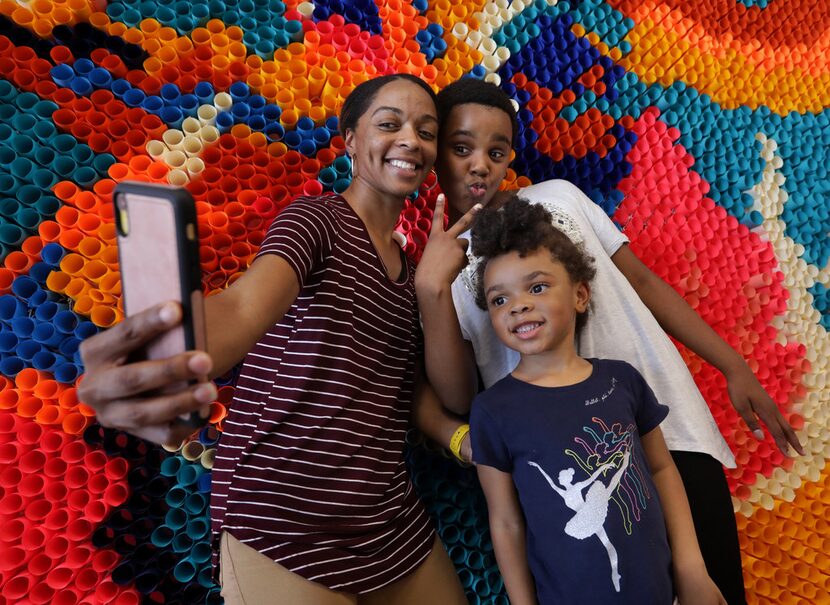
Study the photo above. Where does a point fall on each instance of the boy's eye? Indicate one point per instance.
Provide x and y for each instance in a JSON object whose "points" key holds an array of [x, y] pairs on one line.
{"points": [[538, 288], [497, 154], [460, 149]]}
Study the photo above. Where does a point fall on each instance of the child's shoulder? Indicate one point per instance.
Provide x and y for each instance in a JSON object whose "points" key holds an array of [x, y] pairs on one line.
{"points": [[498, 393], [618, 367], [551, 186]]}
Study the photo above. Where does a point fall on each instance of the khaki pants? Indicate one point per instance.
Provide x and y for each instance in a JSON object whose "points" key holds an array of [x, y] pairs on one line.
{"points": [[250, 578]]}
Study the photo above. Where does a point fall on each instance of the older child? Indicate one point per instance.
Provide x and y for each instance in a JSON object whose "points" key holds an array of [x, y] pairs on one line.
{"points": [[632, 308], [561, 437]]}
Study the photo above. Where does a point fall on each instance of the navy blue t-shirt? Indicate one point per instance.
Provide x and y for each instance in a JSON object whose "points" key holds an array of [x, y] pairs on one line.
{"points": [[595, 527]]}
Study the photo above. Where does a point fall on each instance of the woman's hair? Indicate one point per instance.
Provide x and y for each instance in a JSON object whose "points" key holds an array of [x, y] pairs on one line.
{"points": [[478, 92], [519, 226], [359, 100]]}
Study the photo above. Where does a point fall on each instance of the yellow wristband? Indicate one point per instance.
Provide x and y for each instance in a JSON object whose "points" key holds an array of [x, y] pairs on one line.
{"points": [[457, 438]]}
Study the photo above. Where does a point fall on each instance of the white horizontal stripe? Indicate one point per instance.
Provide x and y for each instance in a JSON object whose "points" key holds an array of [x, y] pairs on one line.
{"points": [[307, 462], [330, 503], [315, 477]]}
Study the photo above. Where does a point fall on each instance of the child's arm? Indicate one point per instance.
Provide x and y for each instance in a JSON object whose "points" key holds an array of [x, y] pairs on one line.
{"points": [[435, 421], [450, 362], [679, 320], [692, 581], [507, 527]]}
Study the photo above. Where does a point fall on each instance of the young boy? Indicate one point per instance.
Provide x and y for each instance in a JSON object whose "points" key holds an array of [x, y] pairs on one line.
{"points": [[591, 423], [632, 308]]}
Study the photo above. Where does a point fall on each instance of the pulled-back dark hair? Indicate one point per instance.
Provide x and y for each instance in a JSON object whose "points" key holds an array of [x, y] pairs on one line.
{"points": [[478, 92], [519, 226], [359, 100]]}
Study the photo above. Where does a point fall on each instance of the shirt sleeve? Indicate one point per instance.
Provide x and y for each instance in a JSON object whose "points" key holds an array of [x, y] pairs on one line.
{"points": [[610, 237], [302, 234], [486, 440], [649, 413]]}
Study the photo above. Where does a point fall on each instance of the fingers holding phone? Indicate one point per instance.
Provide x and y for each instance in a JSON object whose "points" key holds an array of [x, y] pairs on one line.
{"points": [[118, 389], [148, 374]]}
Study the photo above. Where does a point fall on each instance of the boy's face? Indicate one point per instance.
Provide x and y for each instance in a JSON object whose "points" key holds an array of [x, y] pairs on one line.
{"points": [[533, 302], [474, 151]]}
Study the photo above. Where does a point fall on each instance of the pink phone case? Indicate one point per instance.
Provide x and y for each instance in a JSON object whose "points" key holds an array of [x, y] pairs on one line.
{"points": [[158, 254]]}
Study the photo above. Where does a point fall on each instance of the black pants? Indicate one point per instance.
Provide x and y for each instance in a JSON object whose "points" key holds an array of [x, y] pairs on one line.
{"points": [[717, 532]]}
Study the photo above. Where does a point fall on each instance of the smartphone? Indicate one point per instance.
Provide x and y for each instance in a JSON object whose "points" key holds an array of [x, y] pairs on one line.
{"points": [[158, 254]]}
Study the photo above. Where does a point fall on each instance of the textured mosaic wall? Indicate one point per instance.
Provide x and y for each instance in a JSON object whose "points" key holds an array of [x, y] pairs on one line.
{"points": [[701, 127]]}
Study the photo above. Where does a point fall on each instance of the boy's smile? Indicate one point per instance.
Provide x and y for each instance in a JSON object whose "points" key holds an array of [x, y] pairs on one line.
{"points": [[473, 155], [533, 303]]}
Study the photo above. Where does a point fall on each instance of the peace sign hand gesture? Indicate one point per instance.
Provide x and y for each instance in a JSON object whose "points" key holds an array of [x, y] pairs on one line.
{"points": [[445, 254]]}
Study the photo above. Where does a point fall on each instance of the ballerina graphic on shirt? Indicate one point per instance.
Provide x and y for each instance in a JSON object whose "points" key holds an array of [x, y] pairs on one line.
{"points": [[591, 509]]}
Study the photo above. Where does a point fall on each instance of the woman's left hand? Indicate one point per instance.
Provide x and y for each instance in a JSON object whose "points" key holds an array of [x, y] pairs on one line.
{"points": [[752, 402]]}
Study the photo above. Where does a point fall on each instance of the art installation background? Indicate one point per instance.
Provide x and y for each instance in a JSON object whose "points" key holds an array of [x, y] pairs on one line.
{"points": [[702, 128]]}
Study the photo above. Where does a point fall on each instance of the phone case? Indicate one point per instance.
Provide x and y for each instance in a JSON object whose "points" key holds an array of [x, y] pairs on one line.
{"points": [[158, 253]]}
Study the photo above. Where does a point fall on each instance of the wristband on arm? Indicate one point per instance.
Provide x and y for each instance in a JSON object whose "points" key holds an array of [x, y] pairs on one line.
{"points": [[457, 439]]}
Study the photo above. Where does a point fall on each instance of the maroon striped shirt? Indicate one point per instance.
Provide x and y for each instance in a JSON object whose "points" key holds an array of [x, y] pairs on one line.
{"points": [[310, 469]]}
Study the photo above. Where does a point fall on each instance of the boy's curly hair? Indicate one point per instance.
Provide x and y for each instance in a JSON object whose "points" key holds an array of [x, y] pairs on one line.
{"points": [[519, 226]]}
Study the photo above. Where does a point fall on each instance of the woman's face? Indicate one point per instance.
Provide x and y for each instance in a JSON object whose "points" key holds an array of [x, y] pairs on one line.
{"points": [[394, 143]]}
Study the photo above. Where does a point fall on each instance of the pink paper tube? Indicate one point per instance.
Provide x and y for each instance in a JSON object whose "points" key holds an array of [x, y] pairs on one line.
{"points": [[59, 577], [31, 485], [40, 564], [95, 460], [11, 504], [76, 477], [10, 478], [32, 461], [11, 531], [104, 560], [53, 441], [9, 453], [56, 520], [41, 594], [16, 588], [116, 494], [55, 491], [74, 451], [12, 558], [77, 500], [55, 468], [33, 539], [96, 511], [38, 510], [116, 469], [78, 530]]}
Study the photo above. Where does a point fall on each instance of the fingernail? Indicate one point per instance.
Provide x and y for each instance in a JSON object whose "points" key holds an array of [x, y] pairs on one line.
{"points": [[478, 207], [200, 363], [205, 393], [759, 434], [168, 313]]}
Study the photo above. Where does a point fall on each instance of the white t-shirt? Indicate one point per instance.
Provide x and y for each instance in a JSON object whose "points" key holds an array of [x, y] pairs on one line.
{"points": [[619, 326]]}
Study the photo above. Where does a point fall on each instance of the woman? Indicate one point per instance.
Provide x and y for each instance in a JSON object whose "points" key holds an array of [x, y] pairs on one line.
{"points": [[311, 500]]}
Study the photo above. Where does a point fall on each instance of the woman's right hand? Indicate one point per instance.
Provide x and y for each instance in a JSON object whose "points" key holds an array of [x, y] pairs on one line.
{"points": [[117, 390]]}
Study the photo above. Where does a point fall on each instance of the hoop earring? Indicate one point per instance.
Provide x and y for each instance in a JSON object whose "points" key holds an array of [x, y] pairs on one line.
{"points": [[351, 167], [431, 181]]}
